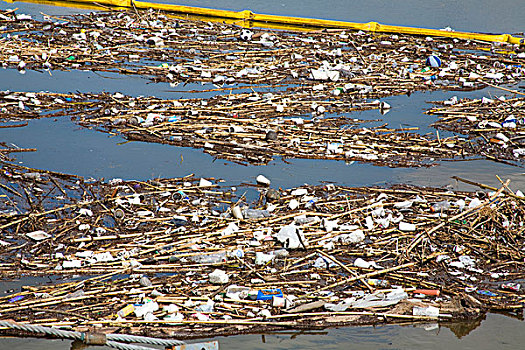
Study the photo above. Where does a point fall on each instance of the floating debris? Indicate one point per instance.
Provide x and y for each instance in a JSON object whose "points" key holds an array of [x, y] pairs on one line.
{"points": [[495, 126], [235, 127], [187, 257], [188, 265], [166, 49]]}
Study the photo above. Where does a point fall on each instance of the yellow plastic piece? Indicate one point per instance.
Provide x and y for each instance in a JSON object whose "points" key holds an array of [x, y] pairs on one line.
{"points": [[248, 18]]}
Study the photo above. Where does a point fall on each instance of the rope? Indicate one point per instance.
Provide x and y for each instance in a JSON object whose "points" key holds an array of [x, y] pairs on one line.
{"points": [[112, 340], [46, 330], [143, 340], [122, 346]]}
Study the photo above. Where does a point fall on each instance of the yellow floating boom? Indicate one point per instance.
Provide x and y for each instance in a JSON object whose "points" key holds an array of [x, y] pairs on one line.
{"points": [[246, 17]]}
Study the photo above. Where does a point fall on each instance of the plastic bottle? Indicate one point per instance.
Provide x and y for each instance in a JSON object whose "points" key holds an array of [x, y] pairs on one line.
{"points": [[209, 259], [441, 206], [255, 213]]}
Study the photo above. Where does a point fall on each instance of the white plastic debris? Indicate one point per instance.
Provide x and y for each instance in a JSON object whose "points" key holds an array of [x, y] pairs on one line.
{"points": [[293, 204], [502, 137], [103, 257], [38, 235], [299, 192], [218, 277], [263, 258], [263, 180], [264, 313], [205, 183], [291, 237], [237, 212], [406, 227], [467, 260], [430, 311], [330, 225], [403, 205], [230, 229], [71, 264], [475, 202], [354, 237], [147, 308], [369, 223], [85, 211], [278, 302], [366, 264]]}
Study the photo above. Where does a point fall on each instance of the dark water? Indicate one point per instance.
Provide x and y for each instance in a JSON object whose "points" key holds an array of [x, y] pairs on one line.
{"points": [[63, 146], [495, 332]]}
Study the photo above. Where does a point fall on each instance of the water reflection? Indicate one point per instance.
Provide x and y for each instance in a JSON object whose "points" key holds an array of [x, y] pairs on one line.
{"points": [[461, 329]]}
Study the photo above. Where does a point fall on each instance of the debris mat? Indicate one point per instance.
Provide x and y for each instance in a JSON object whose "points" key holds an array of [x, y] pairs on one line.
{"points": [[243, 128], [175, 51], [494, 126], [189, 257]]}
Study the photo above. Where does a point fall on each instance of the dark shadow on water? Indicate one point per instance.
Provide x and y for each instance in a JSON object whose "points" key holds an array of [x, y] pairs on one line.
{"points": [[463, 328]]}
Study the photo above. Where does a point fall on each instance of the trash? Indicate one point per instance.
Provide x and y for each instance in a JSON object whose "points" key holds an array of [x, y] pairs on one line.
{"points": [[147, 308], [365, 264], [262, 180], [433, 61], [255, 213], [324, 263], [237, 292], [441, 206], [397, 148], [174, 317], [430, 311], [264, 313], [218, 277], [263, 258], [85, 211], [209, 258], [194, 250], [353, 237], [269, 294], [15, 298], [511, 286], [205, 183], [272, 195], [299, 192], [383, 107], [490, 129], [246, 35], [179, 195], [467, 261], [72, 264], [329, 226], [429, 292], [291, 237], [127, 310], [145, 282], [278, 301], [406, 227], [377, 282], [271, 135], [486, 293], [306, 307], [293, 204], [38, 235], [237, 212], [206, 307], [369, 301]]}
